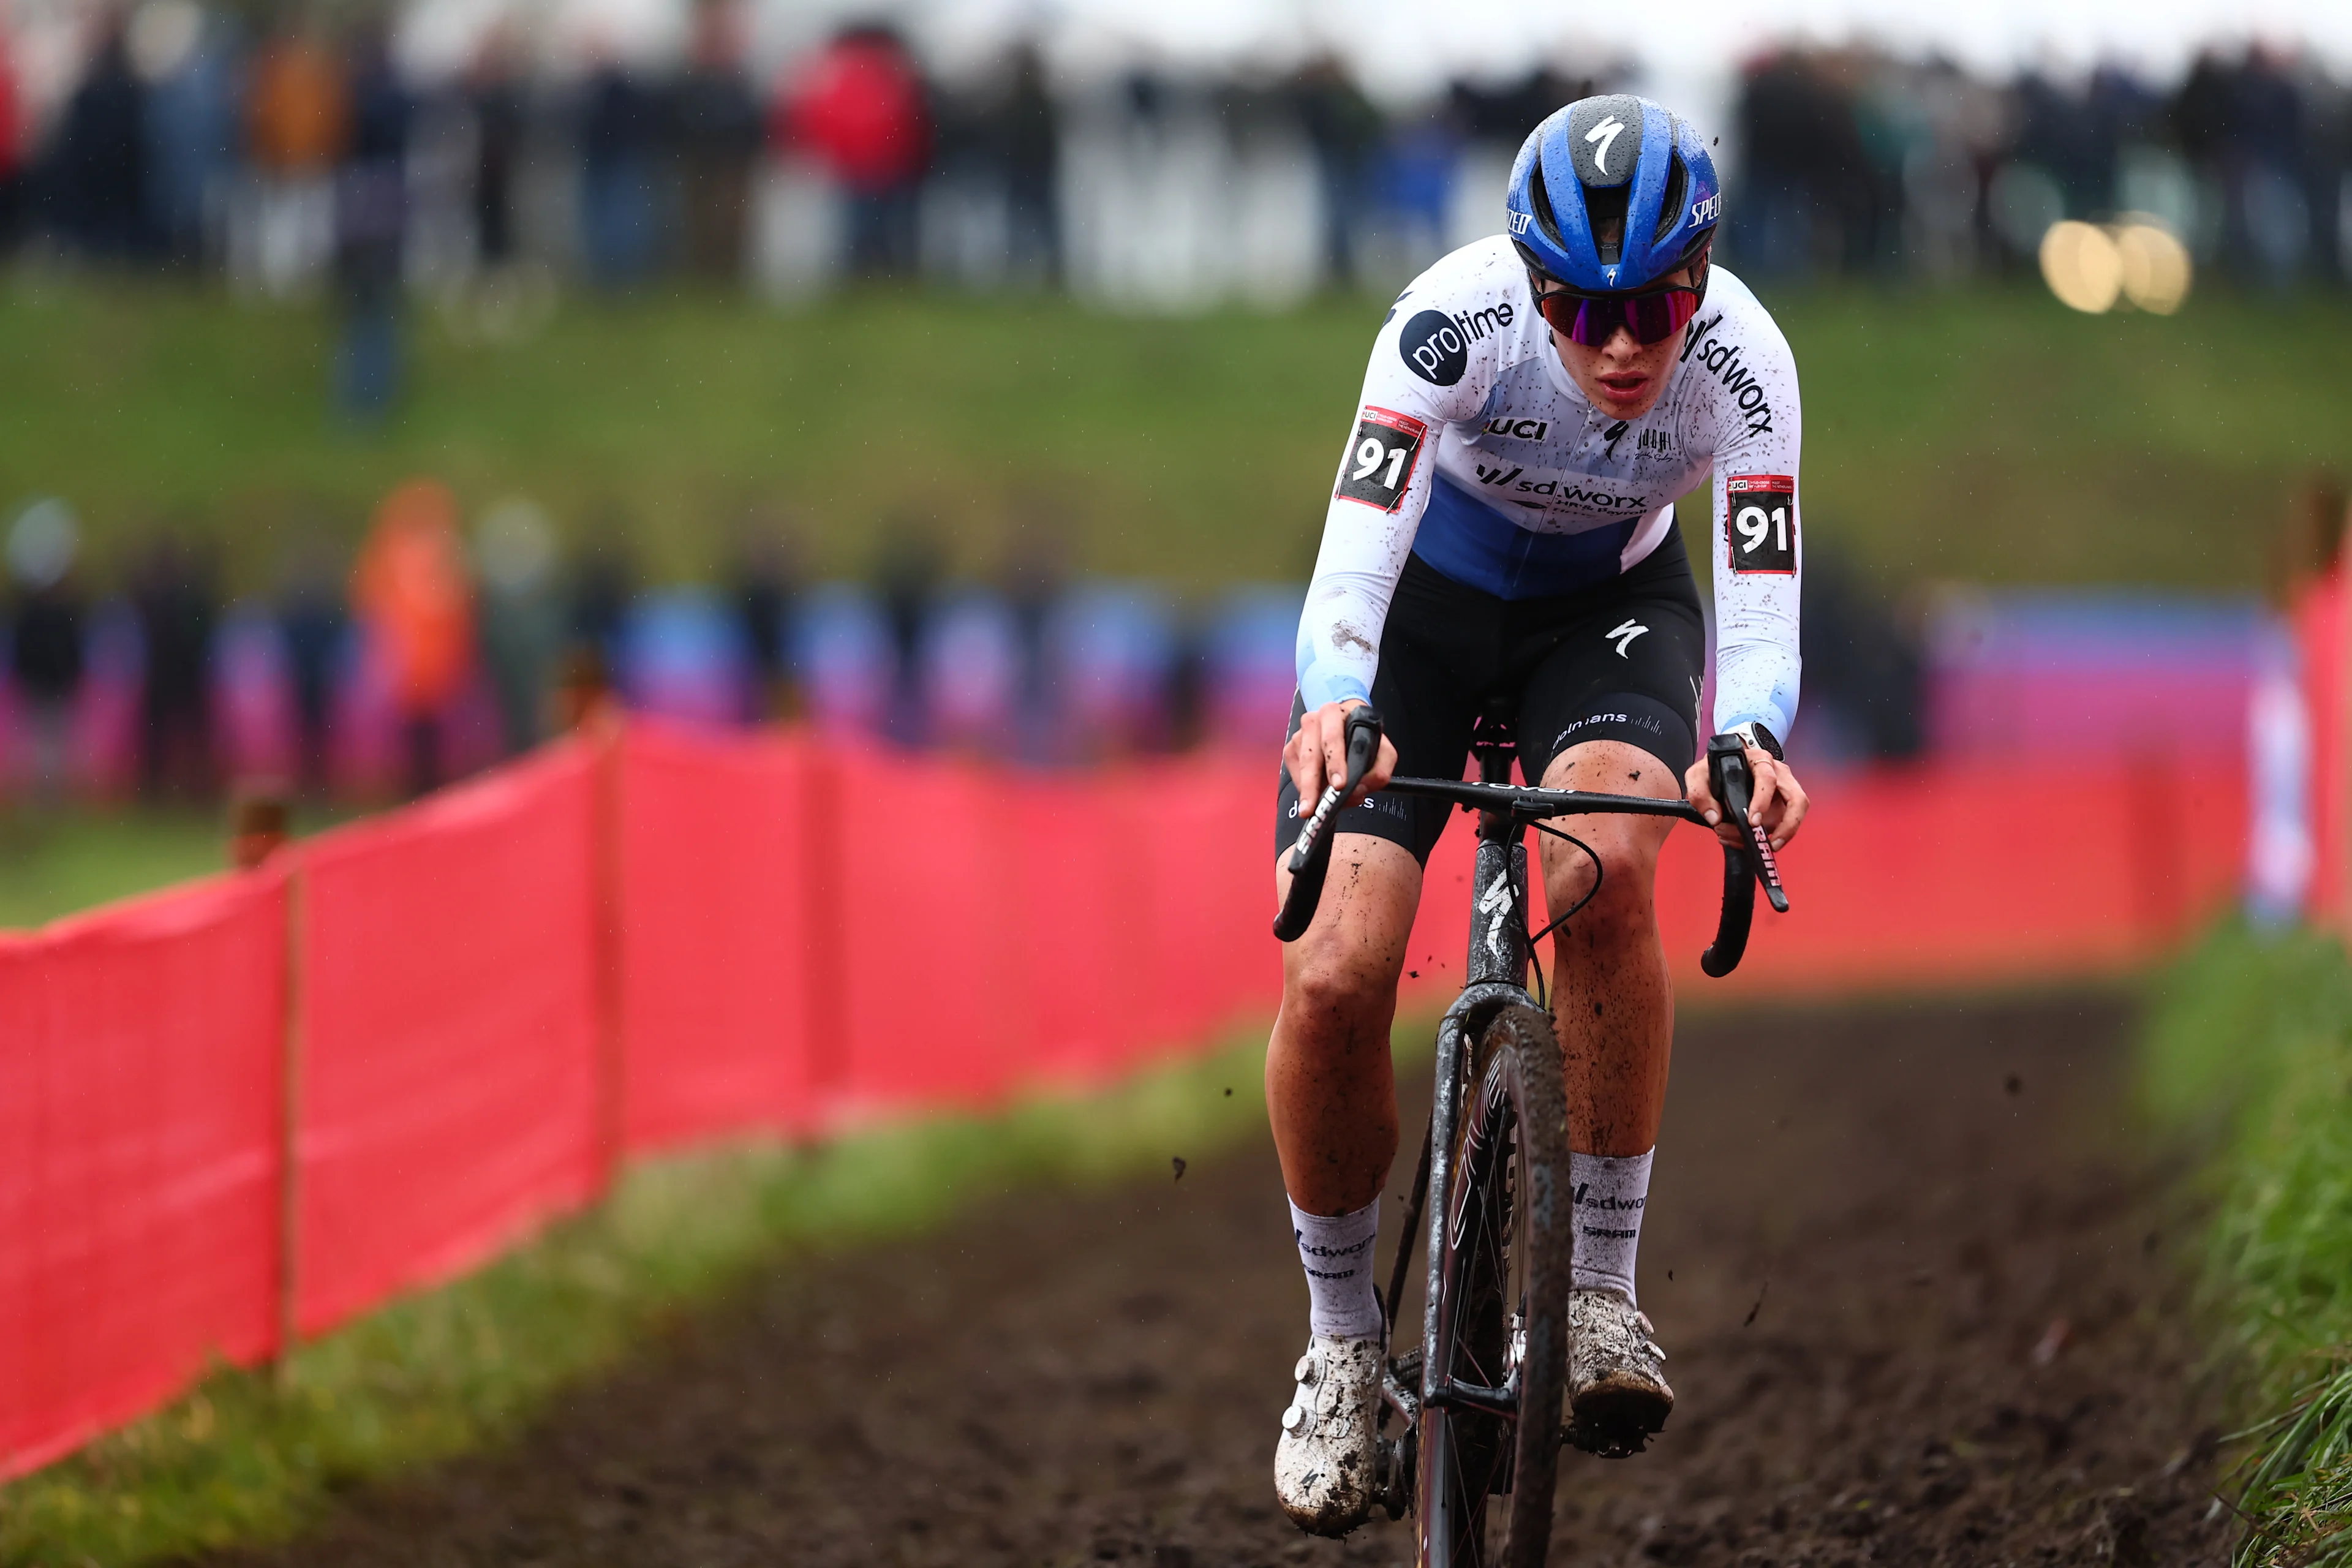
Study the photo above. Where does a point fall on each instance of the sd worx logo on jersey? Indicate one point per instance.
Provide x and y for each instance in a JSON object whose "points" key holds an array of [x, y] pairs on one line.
{"points": [[1435, 346], [1559, 488], [1722, 361]]}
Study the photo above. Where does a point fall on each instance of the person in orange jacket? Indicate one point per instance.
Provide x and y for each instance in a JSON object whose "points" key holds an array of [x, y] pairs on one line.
{"points": [[411, 590]]}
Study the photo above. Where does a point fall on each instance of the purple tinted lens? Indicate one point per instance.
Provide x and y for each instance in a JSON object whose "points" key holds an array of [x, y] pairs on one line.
{"points": [[1653, 318]]}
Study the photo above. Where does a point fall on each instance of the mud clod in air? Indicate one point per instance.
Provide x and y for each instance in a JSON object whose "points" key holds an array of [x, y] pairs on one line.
{"points": [[1176, 1164]]}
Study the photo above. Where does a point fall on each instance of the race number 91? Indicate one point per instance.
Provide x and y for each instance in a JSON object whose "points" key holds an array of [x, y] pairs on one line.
{"points": [[1379, 466], [1760, 523]]}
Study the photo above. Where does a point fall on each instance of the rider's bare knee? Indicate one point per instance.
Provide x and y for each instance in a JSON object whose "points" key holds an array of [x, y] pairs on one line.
{"points": [[1329, 985]]}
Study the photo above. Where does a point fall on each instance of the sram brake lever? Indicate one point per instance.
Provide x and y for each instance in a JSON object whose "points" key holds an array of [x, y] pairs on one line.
{"points": [[1727, 767]]}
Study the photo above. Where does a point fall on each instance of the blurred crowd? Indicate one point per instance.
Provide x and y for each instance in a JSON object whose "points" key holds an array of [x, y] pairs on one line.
{"points": [[301, 152], [443, 643], [1856, 162]]}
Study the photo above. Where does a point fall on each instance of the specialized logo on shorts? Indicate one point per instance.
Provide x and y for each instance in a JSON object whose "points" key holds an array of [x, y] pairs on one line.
{"points": [[1623, 636], [1381, 459], [1760, 523]]}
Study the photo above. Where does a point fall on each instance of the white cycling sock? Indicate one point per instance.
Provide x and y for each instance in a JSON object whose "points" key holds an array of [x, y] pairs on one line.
{"points": [[1336, 1251], [1610, 1194]]}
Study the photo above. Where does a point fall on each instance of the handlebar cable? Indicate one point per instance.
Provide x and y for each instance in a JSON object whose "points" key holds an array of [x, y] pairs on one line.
{"points": [[1543, 998]]}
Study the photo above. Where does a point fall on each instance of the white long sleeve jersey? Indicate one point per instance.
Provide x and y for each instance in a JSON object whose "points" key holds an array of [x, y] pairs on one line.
{"points": [[1474, 450]]}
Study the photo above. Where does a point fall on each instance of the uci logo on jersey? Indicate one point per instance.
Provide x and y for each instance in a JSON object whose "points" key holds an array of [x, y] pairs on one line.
{"points": [[1522, 429]]}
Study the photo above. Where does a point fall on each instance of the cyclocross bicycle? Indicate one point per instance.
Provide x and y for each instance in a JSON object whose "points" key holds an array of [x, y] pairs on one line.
{"points": [[1477, 1403]]}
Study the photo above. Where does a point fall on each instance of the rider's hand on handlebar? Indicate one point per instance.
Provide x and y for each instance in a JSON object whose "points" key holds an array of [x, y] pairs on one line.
{"points": [[1777, 800], [1318, 753]]}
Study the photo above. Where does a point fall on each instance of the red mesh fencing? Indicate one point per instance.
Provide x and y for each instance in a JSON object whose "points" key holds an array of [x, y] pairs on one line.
{"points": [[717, 963], [448, 1088], [140, 1129], [668, 936]]}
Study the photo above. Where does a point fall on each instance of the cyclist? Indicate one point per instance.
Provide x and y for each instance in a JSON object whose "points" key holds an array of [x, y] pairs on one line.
{"points": [[1503, 528]]}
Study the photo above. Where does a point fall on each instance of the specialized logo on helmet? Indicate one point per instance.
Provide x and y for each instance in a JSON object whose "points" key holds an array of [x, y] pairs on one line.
{"points": [[1520, 222], [1606, 132], [1709, 210], [1604, 139]]}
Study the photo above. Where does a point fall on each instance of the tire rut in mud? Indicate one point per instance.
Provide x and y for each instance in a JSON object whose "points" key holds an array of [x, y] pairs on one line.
{"points": [[1905, 1258]]}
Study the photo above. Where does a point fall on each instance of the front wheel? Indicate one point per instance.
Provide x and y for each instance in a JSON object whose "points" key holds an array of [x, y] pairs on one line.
{"points": [[1503, 1283]]}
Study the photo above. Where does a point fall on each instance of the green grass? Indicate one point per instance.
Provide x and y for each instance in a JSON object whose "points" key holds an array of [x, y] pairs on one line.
{"points": [[244, 1457], [2251, 1047], [57, 863], [1989, 433], [52, 864]]}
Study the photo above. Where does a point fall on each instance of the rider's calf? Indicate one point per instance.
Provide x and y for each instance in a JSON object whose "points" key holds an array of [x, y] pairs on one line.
{"points": [[1328, 1079]]}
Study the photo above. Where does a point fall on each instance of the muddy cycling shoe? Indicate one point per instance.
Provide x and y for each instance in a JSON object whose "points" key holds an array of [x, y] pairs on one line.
{"points": [[1617, 1393], [1323, 1464]]}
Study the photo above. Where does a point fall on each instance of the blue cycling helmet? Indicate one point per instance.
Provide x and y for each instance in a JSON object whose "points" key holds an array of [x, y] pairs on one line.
{"points": [[1615, 164]]}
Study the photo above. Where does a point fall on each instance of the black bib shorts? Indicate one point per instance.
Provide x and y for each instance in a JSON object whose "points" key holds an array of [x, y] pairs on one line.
{"points": [[1620, 661]]}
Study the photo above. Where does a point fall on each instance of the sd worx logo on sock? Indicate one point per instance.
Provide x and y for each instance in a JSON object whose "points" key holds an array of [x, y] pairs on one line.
{"points": [[1584, 1201]]}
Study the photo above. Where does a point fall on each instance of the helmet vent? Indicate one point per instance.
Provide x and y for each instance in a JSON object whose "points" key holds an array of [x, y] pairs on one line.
{"points": [[1539, 197], [1677, 190], [1606, 209]]}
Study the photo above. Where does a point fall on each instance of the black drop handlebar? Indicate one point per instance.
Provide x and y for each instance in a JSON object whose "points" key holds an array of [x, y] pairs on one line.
{"points": [[1310, 857], [1726, 764]]}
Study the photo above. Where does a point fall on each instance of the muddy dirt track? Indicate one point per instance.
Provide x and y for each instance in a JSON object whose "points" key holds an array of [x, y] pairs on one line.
{"points": [[1904, 1257]]}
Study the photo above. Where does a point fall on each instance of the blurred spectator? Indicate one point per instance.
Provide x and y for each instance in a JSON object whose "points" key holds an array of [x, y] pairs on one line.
{"points": [[11, 149], [521, 618], [312, 620], [410, 590], [1343, 127], [1865, 700], [371, 223], [191, 119], [1805, 201], [297, 124], [175, 595], [859, 106], [602, 580], [619, 225], [495, 96], [98, 174], [46, 650], [1028, 141], [766, 581], [907, 581], [717, 123], [1035, 577]]}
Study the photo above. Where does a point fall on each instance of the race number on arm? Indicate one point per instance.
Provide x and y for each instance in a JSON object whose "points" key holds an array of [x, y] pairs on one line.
{"points": [[1758, 526]]}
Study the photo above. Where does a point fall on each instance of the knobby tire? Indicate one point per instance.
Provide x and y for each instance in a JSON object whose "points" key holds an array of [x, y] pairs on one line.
{"points": [[1509, 1235]]}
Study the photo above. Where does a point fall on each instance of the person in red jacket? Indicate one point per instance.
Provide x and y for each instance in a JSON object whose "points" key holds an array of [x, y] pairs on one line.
{"points": [[859, 106]]}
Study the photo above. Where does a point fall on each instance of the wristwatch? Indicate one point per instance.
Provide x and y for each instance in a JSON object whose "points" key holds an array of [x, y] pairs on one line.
{"points": [[1761, 738]]}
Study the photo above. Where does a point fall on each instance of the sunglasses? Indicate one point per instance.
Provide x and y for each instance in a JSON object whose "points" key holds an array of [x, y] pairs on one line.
{"points": [[1651, 316]]}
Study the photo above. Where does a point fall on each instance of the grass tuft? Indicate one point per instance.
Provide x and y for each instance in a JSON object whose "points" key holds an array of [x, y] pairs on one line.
{"points": [[2249, 1048]]}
